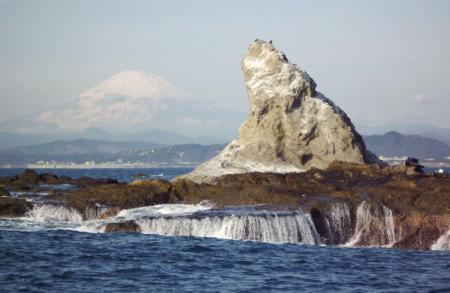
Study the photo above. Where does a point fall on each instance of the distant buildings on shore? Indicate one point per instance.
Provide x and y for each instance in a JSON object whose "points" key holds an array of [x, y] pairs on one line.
{"points": [[103, 165]]}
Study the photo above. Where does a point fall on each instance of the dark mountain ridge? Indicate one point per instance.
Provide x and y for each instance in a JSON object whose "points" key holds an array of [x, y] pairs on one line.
{"points": [[391, 144], [395, 144]]}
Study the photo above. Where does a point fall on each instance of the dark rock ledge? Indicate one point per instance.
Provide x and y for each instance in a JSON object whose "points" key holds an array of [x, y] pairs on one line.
{"points": [[420, 203]]}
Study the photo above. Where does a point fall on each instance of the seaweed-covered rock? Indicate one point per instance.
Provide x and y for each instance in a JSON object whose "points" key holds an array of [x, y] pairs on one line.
{"points": [[421, 230], [123, 196], [29, 177], [3, 191], [13, 207], [123, 227], [48, 178]]}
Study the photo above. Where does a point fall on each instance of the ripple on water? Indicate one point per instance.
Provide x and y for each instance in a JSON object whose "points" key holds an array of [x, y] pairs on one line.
{"points": [[71, 261]]}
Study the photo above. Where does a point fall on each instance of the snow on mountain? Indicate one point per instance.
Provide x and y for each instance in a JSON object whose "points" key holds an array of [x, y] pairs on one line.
{"points": [[134, 84], [127, 99], [131, 101]]}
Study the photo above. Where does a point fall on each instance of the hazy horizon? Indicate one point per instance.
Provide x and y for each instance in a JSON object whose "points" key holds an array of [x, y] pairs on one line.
{"points": [[382, 62]]}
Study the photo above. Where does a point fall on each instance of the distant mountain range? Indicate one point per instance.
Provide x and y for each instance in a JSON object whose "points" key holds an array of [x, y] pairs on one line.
{"points": [[394, 144], [153, 136], [83, 150], [391, 144], [130, 105], [441, 133]]}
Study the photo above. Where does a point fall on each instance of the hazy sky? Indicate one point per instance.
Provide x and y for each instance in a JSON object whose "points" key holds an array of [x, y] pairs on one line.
{"points": [[381, 61]]}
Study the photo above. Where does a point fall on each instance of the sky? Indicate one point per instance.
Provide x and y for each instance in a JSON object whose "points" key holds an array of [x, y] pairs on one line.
{"points": [[382, 62]]}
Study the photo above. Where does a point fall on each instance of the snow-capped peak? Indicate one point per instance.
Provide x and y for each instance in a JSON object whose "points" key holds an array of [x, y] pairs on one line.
{"points": [[135, 84], [130, 101]]}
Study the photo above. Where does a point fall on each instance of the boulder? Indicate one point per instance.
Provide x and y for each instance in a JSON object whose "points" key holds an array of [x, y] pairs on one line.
{"points": [[13, 207], [123, 227], [29, 177], [88, 181], [3, 191], [122, 196], [48, 178], [291, 126]]}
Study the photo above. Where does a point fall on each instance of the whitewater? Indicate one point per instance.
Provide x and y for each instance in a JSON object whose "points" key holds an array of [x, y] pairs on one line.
{"points": [[204, 248], [234, 223]]}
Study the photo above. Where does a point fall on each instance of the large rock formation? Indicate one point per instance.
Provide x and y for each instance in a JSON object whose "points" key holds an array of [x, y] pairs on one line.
{"points": [[291, 126]]}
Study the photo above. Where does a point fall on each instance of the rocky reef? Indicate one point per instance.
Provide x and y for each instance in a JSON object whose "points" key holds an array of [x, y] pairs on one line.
{"points": [[346, 204], [30, 182], [291, 126]]}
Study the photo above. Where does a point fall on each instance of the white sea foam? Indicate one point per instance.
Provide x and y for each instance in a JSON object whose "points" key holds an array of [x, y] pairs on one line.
{"points": [[292, 228], [370, 220], [163, 210], [199, 220], [443, 243], [340, 222], [91, 227], [238, 224], [27, 194], [98, 226], [54, 213]]}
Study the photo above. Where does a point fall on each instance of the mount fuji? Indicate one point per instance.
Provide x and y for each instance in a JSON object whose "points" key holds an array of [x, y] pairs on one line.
{"points": [[132, 102]]}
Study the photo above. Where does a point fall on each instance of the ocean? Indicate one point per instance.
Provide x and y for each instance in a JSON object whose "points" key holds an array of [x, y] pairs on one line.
{"points": [[64, 254]]}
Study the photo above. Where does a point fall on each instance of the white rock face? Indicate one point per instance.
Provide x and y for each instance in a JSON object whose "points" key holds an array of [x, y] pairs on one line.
{"points": [[291, 127]]}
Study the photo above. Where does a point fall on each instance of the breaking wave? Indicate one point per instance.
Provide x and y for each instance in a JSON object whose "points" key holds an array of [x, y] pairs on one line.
{"points": [[201, 220], [373, 225], [54, 213], [274, 228], [443, 243], [164, 209]]}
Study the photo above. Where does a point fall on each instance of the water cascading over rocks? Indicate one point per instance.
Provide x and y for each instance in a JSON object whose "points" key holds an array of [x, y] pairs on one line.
{"points": [[273, 228], [334, 223], [291, 126], [443, 243], [49, 213], [374, 226]]}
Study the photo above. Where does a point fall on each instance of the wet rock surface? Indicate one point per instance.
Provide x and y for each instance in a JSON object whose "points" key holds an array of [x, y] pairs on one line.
{"points": [[349, 204], [13, 207], [123, 196], [388, 199], [123, 227], [30, 179], [3, 191]]}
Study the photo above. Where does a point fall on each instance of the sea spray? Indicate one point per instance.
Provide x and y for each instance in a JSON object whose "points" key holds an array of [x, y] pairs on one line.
{"points": [[374, 226], [341, 224], [389, 225], [443, 243], [165, 209], [274, 228], [54, 213]]}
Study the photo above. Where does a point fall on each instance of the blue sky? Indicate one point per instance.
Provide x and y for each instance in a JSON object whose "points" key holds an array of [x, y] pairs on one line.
{"points": [[381, 61]]}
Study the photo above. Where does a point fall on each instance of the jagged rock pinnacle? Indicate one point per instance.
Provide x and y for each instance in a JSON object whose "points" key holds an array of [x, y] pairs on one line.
{"points": [[291, 126]]}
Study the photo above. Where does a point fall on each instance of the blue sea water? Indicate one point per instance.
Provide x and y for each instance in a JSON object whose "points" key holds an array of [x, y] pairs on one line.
{"points": [[59, 260], [121, 174], [65, 261]]}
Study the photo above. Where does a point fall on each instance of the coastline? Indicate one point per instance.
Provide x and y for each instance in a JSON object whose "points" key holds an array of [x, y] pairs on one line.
{"points": [[97, 166], [148, 165]]}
